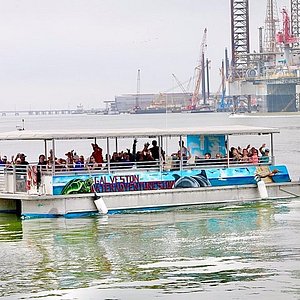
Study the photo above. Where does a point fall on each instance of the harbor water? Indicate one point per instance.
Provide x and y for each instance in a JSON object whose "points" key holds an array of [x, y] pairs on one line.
{"points": [[246, 251]]}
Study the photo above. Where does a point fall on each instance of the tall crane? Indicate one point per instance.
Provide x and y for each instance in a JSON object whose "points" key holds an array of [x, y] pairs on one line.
{"points": [[179, 84], [285, 38], [199, 70]]}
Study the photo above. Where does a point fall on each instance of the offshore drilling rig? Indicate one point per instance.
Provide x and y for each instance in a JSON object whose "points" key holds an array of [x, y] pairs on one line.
{"points": [[270, 77]]}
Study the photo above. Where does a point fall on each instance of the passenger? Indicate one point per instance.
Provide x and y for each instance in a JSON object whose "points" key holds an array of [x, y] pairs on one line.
{"points": [[219, 155], [78, 165], [155, 151], [70, 159], [92, 164], [21, 163], [219, 159], [147, 156], [245, 156], [115, 160], [207, 155], [50, 157], [265, 158], [41, 166], [81, 158], [125, 160], [23, 160], [234, 154], [20, 167], [61, 165], [97, 153], [183, 151], [42, 163], [253, 156], [4, 162]]}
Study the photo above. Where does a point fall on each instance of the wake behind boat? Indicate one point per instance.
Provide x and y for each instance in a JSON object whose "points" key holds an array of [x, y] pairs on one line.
{"points": [[172, 179]]}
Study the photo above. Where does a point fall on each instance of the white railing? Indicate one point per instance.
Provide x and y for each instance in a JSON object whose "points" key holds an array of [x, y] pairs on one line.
{"points": [[30, 178]]}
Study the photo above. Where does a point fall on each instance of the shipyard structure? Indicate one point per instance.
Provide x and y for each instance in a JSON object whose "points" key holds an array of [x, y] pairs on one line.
{"points": [[152, 103], [263, 80], [271, 75]]}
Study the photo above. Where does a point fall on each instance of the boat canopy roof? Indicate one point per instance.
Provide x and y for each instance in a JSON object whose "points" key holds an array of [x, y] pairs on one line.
{"points": [[133, 132]]}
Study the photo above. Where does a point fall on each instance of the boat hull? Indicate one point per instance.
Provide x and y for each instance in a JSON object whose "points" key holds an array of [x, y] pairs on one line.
{"points": [[83, 204]]}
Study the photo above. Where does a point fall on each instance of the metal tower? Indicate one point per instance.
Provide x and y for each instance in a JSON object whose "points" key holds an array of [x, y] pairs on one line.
{"points": [[295, 19], [271, 27], [240, 44]]}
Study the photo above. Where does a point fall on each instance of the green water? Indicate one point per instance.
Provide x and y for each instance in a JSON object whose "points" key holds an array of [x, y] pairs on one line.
{"points": [[241, 252], [236, 252]]}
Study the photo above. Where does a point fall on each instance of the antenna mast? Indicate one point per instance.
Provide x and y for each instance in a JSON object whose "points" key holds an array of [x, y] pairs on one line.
{"points": [[138, 90]]}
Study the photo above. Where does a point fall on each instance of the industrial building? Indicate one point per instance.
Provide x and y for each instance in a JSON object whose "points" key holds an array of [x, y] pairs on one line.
{"points": [[271, 75], [127, 103]]}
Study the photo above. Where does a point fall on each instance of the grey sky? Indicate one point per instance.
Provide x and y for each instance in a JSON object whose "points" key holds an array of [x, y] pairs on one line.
{"points": [[60, 53]]}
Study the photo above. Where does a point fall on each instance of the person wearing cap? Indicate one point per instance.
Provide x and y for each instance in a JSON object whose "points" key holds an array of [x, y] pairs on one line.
{"points": [[23, 159], [265, 158], [21, 164], [3, 161]]}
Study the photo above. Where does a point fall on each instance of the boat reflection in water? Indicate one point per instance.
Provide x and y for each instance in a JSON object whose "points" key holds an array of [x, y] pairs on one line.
{"points": [[188, 250]]}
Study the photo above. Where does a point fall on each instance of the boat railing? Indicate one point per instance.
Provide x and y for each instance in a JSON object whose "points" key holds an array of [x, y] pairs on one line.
{"points": [[33, 179], [15, 178], [177, 164]]}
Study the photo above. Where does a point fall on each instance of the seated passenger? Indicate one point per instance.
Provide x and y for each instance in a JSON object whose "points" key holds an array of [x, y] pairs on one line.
{"points": [[146, 152], [78, 165], [61, 165], [219, 159], [70, 159], [125, 161], [234, 154], [253, 156], [245, 156], [92, 164], [207, 156], [115, 160]]}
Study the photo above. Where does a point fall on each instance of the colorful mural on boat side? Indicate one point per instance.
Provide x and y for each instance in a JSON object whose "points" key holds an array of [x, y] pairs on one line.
{"points": [[142, 180]]}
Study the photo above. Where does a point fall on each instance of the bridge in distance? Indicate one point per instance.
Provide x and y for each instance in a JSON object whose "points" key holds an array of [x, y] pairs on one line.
{"points": [[45, 112]]}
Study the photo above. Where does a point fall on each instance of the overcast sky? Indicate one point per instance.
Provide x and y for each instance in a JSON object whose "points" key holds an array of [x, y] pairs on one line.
{"points": [[60, 53]]}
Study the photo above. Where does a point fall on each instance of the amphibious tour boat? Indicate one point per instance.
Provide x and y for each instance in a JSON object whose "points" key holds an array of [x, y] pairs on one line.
{"points": [[176, 178]]}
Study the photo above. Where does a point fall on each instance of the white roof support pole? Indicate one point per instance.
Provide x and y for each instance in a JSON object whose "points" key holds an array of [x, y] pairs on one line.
{"points": [[227, 149], [108, 155], [53, 156], [272, 149], [45, 148], [116, 141]]}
